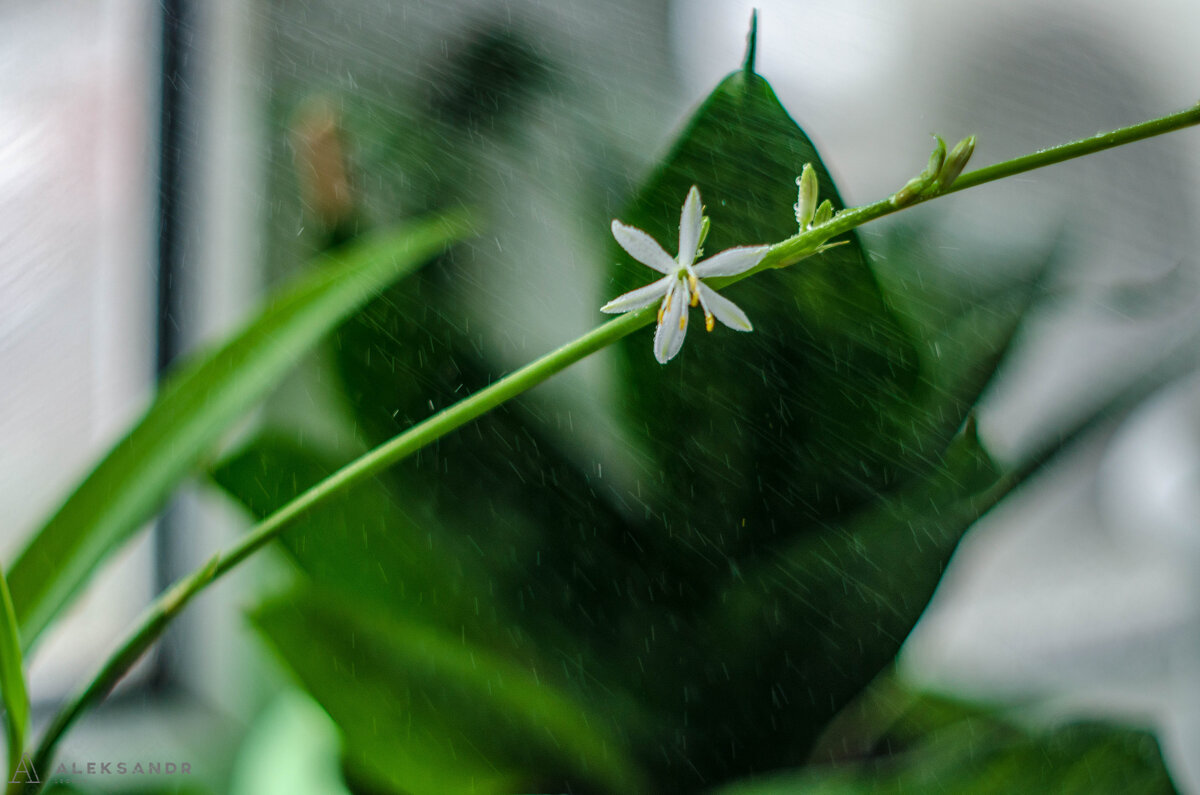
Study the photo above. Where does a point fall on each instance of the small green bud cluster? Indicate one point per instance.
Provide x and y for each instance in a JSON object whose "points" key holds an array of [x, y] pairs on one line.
{"points": [[939, 174]]}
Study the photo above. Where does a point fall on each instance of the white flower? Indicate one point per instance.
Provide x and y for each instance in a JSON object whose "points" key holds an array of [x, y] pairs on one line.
{"points": [[681, 285]]}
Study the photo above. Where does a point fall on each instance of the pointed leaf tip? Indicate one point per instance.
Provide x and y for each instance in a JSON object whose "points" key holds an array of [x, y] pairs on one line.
{"points": [[751, 43]]}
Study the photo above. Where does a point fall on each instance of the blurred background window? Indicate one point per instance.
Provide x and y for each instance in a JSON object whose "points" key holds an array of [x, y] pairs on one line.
{"points": [[77, 281]]}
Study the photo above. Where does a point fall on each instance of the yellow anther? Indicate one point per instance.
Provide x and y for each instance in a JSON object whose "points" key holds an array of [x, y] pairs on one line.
{"points": [[695, 288], [683, 321], [708, 322]]}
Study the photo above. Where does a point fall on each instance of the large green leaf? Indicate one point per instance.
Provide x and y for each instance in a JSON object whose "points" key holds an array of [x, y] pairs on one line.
{"points": [[424, 710], [827, 611], [795, 634], [753, 437], [804, 481], [195, 406]]}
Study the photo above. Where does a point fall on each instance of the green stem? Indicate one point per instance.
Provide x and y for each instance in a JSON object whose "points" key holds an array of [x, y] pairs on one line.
{"points": [[167, 606], [1085, 146], [796, 248], [152, 624]]}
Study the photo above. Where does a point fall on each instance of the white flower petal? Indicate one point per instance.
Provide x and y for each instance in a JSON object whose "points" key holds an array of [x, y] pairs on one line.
{"points": [[636, 299], [690, 222], [724, 310], [668, 337], [731, 261], [643, 248]]}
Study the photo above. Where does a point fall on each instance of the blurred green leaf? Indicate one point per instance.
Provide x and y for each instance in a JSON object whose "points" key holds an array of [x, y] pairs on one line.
{"points": [[796, 634], [358, 542], [965, 323], [13, 691], [196, 404], [964, 336], [423, 710], [292, 748], [980, 753]]}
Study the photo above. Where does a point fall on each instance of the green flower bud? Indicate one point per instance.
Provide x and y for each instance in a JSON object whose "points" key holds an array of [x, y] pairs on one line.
{"points": [[824, 213], [806, 204], [955, 163], [911, 191], [920, 184], [936, 158]]}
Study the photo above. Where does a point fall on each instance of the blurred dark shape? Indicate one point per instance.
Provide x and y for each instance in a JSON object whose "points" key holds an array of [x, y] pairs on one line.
{"points": [[177, 40], [489, 77]]}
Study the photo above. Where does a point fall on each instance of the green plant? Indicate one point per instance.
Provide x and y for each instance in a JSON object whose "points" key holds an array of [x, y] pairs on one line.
{"points": [[477, 615]]}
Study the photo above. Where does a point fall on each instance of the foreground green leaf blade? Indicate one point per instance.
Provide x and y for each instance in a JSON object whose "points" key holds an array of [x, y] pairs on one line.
{"points": [[425, 711], [13, 692], [195, 406]]}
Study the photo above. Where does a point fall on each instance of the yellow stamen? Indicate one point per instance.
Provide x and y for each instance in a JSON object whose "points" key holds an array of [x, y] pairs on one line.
{"points": [[695, 288], [666, 307], [683, 321], [708, 322]]}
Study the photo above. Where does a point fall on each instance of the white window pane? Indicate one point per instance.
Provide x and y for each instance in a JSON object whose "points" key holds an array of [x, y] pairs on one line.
{"points": [[76, 281]]}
